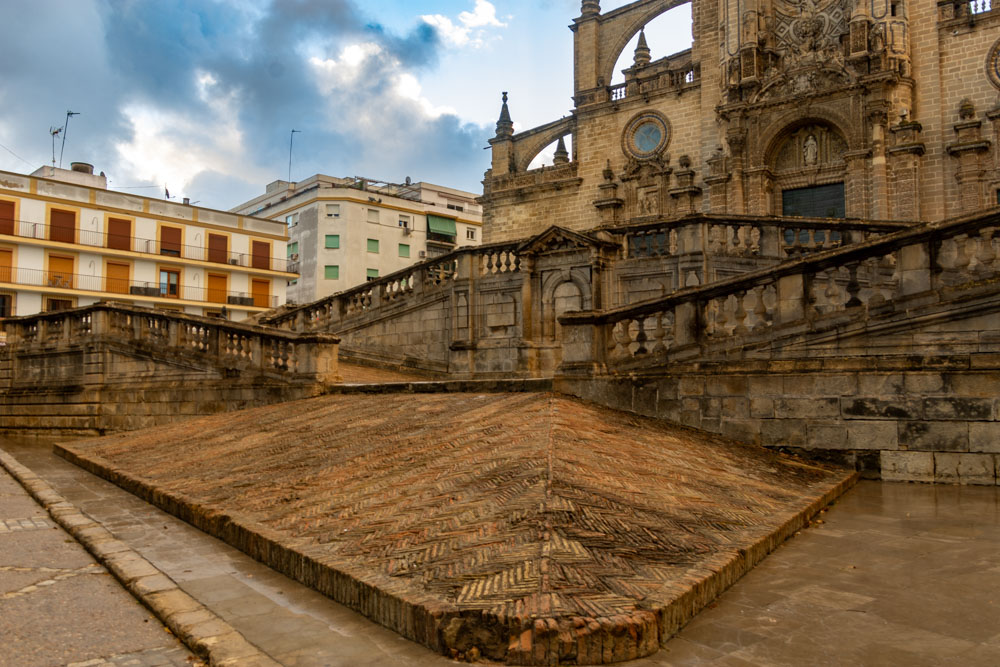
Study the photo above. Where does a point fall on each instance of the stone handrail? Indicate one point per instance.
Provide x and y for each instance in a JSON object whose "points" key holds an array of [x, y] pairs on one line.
{"points": [[424, 277], [231, 345], [744, 236], [864, 275]]}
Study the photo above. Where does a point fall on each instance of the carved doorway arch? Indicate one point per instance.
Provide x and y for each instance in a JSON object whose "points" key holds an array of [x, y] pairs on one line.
{"points": [[807, 170]]}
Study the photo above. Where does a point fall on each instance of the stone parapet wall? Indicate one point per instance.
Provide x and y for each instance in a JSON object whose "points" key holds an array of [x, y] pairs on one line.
{"points": [[108, 368], [889, 417]]}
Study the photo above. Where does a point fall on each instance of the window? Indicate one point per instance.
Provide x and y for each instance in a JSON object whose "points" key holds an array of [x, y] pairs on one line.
{"points": [[332, 241], [62, 226], [333, 210], [116, 278], [261, 291], [292, 220], [6, 217], [170, 283], [292, 248], [470, 233], [331, 272], [55, 305], [6, 265], [456, 207], [119, 234], [60, 271], [216, 288], [404, 221], [6, 305], [218, 248], [373, 215], [260, 254], [404, 250], [373, 245], [372, 274], [170, 241]]}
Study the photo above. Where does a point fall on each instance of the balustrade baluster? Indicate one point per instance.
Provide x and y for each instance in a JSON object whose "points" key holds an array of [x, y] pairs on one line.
{"points": [[986, 254], [853, 286], [659, 336], [640, 336], [740, 315], [760, 322]]}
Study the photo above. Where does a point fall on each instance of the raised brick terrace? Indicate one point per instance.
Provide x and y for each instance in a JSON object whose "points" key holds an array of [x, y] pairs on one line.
{"points": [[529, 528]]}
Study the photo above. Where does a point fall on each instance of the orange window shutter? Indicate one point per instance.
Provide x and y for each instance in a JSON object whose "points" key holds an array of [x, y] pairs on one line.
{"points": [[216, 288], [60, 271], [117, 278], [261, 251], [119, 234], [6, 217], [170, 241], [218, 248], [62, 226], [261, 290], [6, 265]]}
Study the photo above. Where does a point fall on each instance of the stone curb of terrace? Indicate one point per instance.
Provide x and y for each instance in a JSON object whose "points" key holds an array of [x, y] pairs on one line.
{"points": [[207, 635], [519, 640]]}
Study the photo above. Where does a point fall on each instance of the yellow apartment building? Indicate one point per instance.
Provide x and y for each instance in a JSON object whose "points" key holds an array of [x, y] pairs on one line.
{"points": [[67, 241]]}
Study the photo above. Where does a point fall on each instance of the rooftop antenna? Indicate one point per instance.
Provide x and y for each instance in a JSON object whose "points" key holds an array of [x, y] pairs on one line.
{"points": [[291, 138], [69, 114], [55, 132]]}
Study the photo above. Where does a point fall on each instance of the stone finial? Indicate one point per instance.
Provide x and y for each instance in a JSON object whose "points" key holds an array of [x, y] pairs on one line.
{"points": [[505, 126], [966, 110], [608, 174], [642, 54], [590, 8], [562, 155]]}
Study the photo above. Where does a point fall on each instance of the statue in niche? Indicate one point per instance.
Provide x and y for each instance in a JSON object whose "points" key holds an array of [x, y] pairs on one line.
{"points": [[648, 203], [810, 151]]}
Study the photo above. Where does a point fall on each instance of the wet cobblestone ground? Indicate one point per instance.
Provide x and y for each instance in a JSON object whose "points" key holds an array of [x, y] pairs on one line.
{"points": [[59, 607], [897, 574]]}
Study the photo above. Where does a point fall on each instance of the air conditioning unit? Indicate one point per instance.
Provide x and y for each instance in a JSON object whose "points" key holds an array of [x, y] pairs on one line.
{"points": [[234, 261], [294, 257], [422, 253], [407, 231]]}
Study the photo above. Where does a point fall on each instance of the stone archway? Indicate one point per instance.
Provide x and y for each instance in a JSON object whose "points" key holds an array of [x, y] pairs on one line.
{"points": [[807, 172]]}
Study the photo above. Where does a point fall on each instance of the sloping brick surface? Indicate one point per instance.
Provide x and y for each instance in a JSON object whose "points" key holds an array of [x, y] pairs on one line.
{"points": [[531, 528]]}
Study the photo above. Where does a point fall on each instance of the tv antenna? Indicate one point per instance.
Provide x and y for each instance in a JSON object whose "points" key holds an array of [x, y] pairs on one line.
{"points": [[69, 114], [291, 138], [55, 132]]}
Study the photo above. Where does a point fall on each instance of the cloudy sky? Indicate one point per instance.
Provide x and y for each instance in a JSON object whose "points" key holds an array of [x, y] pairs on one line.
{"points": [[201, 95]]}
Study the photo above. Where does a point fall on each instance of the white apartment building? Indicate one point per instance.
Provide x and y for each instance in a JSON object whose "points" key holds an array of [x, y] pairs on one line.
{"points": [[344, 231], [67, 241]]}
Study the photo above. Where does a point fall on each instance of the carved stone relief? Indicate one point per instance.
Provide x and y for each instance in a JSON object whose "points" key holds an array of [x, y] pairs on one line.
{"points": [[810, 146]]}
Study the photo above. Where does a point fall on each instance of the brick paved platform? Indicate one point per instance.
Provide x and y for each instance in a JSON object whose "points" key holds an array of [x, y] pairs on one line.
{"points": [[528, 528]]}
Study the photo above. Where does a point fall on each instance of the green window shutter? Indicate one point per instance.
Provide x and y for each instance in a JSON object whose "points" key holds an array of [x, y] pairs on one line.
{"points": [[331, 272], [372, 273], [439, 225], [292, 248], [372, 245], [404, 250], [333, 240]]}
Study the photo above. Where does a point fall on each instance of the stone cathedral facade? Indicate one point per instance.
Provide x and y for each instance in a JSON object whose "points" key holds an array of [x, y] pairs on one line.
{"points": [[869, 109]]}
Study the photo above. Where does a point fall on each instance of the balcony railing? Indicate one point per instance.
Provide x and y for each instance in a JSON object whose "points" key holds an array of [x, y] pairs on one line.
{"points": [[132, 288], [40, 230]]}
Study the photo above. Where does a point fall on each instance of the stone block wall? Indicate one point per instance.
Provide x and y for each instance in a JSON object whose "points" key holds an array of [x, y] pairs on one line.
{"points": [[893, 418]]}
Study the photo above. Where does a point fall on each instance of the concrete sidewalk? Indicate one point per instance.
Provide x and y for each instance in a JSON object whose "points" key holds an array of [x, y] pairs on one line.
{"points": [[894, 574], [60, 607]]}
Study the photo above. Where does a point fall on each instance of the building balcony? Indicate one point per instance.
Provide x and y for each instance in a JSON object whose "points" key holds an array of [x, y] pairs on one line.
{"points": [[42, 231], [104, 287]]}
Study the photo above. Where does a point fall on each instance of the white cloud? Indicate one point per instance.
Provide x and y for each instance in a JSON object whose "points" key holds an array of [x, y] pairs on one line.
{"points": [[172, 148], [335, 74], [470, 29]]}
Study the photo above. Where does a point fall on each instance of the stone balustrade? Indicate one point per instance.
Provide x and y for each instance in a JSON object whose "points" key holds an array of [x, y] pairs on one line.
{"points": [[744, 236], [855, 279], [215, 342]]}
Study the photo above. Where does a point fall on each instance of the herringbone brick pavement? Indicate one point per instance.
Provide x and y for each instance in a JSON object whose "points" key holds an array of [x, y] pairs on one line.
{"points": [[526, 527]]}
